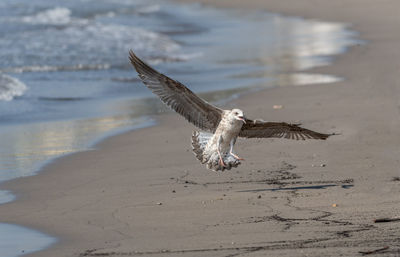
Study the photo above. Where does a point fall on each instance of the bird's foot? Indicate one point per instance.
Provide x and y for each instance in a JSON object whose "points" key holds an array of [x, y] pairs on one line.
{"points": [[236, 157], [221, 162]]}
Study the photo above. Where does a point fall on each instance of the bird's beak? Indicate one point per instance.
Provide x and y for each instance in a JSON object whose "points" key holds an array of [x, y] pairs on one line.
{"points": [[242, 119]]}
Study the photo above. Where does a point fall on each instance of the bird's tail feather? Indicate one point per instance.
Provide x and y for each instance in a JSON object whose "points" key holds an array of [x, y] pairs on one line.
{"points": [[211, 159]]}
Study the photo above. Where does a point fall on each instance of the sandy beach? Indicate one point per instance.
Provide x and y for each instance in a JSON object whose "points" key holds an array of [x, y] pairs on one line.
{"points": [[144, 193]]}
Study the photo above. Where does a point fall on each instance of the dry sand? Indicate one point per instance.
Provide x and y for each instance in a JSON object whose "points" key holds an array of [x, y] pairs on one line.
{"points": [[143, 192]]}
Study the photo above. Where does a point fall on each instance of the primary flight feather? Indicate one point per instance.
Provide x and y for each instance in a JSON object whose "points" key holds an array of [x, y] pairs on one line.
{"points": [[215, 149]]}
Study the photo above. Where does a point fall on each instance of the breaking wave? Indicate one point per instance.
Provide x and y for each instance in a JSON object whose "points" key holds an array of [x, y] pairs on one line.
{"points": [[53, 16], [66, 39], [10, 87], [104, 45], [45, 68]]}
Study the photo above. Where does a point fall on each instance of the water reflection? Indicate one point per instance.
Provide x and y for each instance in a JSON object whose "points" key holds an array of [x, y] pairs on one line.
{"points": [[30, 145], [287, 48], [16, 240], [299, 79]]}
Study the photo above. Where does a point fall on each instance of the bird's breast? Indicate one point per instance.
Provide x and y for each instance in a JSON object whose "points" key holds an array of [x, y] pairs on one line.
{"points": [[228, 130]]}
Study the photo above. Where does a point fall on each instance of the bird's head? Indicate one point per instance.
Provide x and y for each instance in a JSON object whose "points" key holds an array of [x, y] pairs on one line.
{"points": [[237, 114]]}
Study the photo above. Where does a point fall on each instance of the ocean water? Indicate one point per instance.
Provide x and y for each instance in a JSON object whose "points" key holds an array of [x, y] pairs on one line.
{"points": [[66, 82]]}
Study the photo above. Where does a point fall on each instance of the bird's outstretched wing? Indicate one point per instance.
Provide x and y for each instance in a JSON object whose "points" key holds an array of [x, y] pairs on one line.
{"points": [[263, 129], [178, 97]]}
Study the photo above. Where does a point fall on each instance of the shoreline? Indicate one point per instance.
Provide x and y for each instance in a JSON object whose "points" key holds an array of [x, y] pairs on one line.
{"points": [[320, 107]]}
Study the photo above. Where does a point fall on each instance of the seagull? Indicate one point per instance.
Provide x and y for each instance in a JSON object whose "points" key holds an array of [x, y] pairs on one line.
{"points": [[213, 146]]}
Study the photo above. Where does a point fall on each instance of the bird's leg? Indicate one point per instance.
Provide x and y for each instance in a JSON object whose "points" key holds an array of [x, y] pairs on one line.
{"points": [[232, 143], [221, 161]]}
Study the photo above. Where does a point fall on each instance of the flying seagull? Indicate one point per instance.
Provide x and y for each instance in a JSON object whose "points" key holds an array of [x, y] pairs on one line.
{"points": [[214, 147]]}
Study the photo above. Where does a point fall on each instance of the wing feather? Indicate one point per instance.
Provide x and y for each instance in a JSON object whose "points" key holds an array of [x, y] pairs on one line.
{"points": [[263, 129], [178, 97]]}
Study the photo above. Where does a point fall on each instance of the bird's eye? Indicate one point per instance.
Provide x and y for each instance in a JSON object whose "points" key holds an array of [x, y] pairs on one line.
{"points": [[236, 113]]}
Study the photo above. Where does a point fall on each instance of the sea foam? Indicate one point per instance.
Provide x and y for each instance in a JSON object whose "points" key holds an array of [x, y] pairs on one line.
{"points": [[79, 47], [54, 16], [10, 87]]}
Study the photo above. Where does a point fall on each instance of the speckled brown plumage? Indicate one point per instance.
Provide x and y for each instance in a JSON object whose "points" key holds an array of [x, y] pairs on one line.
{"points": [[215, 150]]}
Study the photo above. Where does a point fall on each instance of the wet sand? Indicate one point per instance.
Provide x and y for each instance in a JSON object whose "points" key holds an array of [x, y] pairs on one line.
{"points": [[144, 193]]}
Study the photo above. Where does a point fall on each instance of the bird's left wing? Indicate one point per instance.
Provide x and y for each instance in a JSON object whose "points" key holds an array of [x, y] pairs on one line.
{"points": [[263, 129], [178, 97]]}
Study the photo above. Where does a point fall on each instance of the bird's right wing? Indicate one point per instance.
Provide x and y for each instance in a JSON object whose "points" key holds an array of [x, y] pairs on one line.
{"points": [[178, 97]]}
